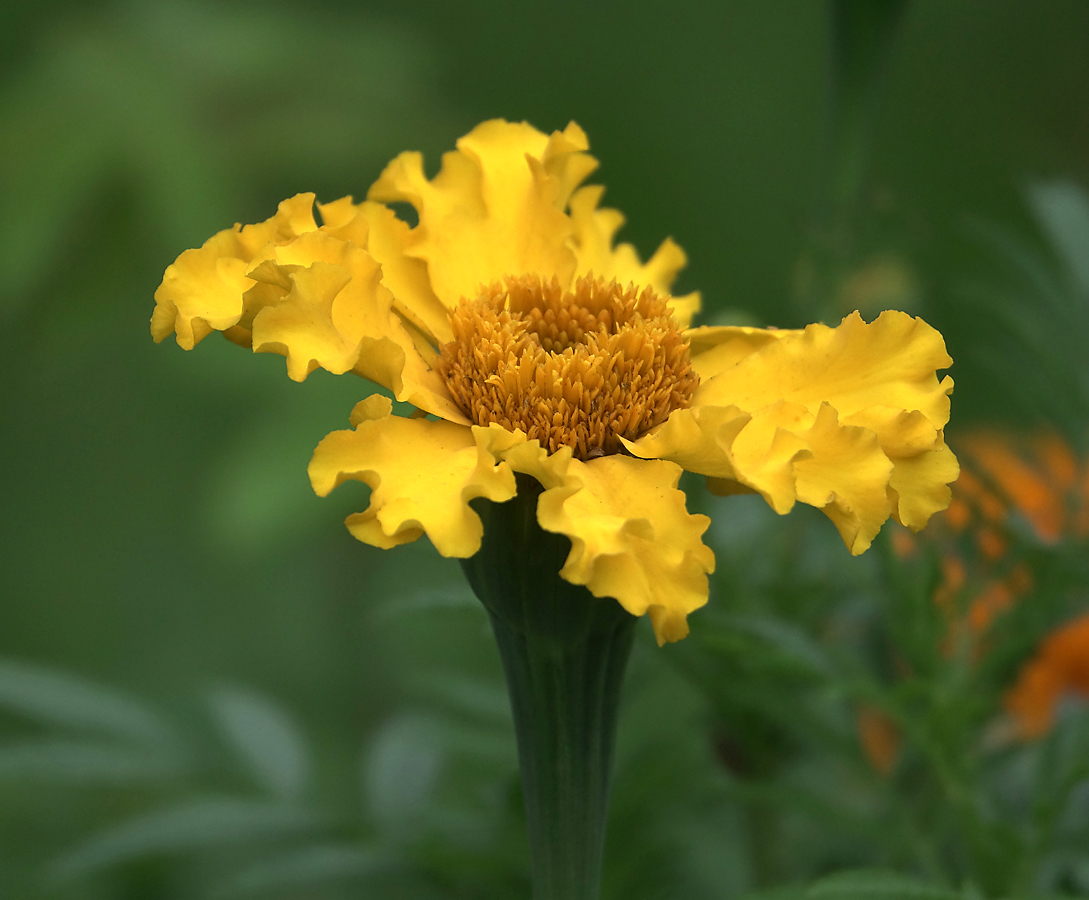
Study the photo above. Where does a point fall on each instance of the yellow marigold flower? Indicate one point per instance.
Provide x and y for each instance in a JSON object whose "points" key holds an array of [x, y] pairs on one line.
{"points": [[540, 347]]}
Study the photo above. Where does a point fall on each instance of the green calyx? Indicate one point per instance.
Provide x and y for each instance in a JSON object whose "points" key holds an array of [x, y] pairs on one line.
{"points": [[564, 652]]}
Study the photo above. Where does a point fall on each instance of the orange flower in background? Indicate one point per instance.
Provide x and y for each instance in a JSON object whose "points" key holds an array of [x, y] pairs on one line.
{"points": [[1011, 488], [1060, 668], [1039, 478], [1037, 481], [879, 737]]}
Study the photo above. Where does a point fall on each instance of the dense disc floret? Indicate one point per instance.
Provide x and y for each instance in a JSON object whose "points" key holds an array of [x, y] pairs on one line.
{"points": [[579, 368]]}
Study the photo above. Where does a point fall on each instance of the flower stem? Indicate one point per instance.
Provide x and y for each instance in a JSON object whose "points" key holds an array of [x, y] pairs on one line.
{"points": [[564, 653]]}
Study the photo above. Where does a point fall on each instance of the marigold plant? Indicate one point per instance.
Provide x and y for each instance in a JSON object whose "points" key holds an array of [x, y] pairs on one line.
{"points": [[556, 394]]}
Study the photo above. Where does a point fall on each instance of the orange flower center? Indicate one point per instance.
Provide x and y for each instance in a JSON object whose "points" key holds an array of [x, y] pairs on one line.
{"points": [[579, 368]]}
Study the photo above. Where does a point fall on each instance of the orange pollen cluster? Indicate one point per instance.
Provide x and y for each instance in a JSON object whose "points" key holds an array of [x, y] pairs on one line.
{"points": [[579, 368]]}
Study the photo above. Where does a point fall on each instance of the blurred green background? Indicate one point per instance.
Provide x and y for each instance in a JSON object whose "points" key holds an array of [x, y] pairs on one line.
{"points": [[207, 688]]}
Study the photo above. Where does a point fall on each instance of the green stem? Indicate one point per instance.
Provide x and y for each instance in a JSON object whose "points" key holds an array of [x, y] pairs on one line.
{"points": [[863, 32], [564, 653], [862, 35], [564, 706]]}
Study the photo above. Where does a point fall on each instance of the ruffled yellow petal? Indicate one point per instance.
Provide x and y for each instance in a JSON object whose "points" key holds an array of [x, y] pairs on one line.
{"points": [[333, 313], [848, 420], [317, 296], [923, 466], [700, 440], [890, 362], [766, 450], [385, 237], [422, 475], [739, 452], [495, 208], [920, 484], [631, 537], [202, 291], [525, 456], [565, 159], [592, 240], [715, 348], [685, 308], [847, 477]]}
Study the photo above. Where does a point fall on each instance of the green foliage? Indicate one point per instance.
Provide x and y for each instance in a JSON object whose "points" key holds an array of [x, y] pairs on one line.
{"points": [[207, 690]]}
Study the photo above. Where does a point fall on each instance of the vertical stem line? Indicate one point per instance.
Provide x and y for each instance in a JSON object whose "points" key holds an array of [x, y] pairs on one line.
{"points": [[862, 34], [564, 652], [565, 703]]}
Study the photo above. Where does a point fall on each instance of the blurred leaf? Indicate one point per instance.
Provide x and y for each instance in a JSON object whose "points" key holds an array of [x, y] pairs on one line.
{"points": [[84, 762], [429, 600], [484, 729], [201, 824], [1062, 209], [475, 697], [44, 175], [863, 885], [307, 867], [266, 738], [70, 701], [708, 845], [180, 127], [1063, 759], [1021, 260], [258, 494], [791, 641], [402, 767], [1031, 324]]}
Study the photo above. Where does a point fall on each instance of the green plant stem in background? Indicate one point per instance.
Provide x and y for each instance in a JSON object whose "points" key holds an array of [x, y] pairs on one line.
{"points": [[564, 653], [862, 35], [863, 32]]}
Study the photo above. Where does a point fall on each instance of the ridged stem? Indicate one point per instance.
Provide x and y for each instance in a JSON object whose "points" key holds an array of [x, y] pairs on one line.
{"points": [[564, 653]]}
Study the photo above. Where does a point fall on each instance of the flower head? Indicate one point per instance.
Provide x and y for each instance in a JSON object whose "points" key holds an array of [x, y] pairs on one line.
{"points": [[539, 347]]}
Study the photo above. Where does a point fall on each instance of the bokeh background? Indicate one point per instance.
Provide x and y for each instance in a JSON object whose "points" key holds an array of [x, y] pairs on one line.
{"points": [[208, 689]]}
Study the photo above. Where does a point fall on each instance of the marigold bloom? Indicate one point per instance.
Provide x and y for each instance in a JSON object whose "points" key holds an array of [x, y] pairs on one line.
{"points": [[1061, 667], [540, 347]]}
